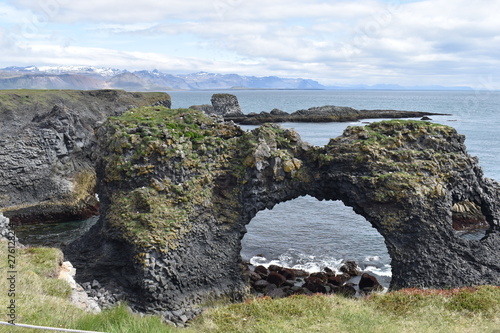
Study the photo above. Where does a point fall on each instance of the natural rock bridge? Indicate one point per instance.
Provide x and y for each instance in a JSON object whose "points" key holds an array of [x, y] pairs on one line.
{"points": [[177, 189]]}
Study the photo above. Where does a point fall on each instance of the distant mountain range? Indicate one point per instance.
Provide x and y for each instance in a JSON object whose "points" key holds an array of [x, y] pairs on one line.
{"points": [[86, 77], [76, 77]]}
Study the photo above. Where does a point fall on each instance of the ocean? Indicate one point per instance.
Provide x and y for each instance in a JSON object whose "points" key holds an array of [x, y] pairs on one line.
{"points": [[308, 234]]}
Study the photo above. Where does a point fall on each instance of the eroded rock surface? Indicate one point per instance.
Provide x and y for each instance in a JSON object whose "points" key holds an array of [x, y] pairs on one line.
{"points": [[226, 105], [177, 189], [46, 171]]}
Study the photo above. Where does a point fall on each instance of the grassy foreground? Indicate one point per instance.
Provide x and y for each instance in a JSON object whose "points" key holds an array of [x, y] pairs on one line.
{"points": [[43, 300]]}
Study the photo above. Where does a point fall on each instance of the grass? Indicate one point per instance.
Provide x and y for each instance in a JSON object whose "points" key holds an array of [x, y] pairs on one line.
{"points": [[463, 312], [43, 300]]}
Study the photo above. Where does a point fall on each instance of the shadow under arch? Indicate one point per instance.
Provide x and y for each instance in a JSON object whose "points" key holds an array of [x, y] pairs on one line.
{"points": [[308, 234]]}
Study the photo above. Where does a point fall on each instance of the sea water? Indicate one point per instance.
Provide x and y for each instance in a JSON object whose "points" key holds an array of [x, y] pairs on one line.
{"points": [[308, 234]]}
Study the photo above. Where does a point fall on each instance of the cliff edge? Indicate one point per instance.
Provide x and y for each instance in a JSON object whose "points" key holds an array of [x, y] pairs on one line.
{"points": [[47, 172]]}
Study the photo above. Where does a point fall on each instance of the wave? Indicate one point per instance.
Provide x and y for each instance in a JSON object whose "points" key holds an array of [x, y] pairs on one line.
{"points": [[298, 260]]}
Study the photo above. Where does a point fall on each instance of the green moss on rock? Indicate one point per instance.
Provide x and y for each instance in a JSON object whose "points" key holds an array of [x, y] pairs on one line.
{"points": [[170, 160]]}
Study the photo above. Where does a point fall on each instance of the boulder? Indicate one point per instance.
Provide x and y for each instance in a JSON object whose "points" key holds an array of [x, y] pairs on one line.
{"points": [[276, 278], [262, 271], [289, 274], [260, 285], [345, 290], [338, 280], [278, 293], [350, 268], [369, 283], [315, 285]]}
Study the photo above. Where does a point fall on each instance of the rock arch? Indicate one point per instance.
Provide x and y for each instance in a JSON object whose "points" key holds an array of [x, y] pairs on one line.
{"points": [[327, 230], [177, 190]]}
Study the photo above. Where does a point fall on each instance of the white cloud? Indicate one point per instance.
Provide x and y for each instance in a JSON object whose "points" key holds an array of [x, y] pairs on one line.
{"points": [[335, 41]]}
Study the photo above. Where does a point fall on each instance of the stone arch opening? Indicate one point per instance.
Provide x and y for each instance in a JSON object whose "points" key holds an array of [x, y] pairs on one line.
{"points": [[316, 236]]}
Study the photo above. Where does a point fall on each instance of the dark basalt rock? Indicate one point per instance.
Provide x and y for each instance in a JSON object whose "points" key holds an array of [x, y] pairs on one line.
{"points": [[368, 283], [47, 145], [350, 268], [226, 105], [276, 278], [262, 271], [204, 180], [315, 285]]}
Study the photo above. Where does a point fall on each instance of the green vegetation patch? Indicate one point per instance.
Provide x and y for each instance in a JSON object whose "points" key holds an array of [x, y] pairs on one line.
{"points": [[171, 161], [35, 289], [404, 157], [25, 103], [477, 311]]}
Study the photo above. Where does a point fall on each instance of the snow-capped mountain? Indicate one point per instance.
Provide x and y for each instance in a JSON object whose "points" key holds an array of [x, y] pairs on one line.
{"points": [[87, 77]]}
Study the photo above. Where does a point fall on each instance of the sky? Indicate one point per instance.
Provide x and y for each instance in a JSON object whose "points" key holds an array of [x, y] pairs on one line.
{"points": [[336, 42]]}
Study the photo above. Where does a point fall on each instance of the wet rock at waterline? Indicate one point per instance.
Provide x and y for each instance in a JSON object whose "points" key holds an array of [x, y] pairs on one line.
{"points": [[283, 282], [174, 211]]}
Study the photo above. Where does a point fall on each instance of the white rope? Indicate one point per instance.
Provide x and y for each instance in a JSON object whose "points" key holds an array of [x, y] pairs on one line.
{"points": [[47, 328]]}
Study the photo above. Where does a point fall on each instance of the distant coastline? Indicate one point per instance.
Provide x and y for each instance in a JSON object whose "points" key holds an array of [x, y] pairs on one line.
{"points": [[90, 78]]}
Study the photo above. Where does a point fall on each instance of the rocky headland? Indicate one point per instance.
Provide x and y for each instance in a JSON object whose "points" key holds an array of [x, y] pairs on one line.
{"points": [[46, 168], [227, 107], [177, 189]]}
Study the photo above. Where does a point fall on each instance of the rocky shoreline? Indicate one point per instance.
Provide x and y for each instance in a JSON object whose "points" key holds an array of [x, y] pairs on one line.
{"points": [[279, 282]]}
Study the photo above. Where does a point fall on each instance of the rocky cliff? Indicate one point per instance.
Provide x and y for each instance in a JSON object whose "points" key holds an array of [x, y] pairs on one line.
{"points": [[46, 172], [177, 189]]}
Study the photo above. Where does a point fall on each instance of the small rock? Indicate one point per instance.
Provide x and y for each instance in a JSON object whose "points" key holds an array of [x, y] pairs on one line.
{"points": [[270, 287], [351, 268], [319, 275], [277, 293], [276, 278], [260, 285], [253, 276], [289, 274], [338, 280], [262, 271], [96, 284], [315, 285], [346, 291], [275, 268], [328, 270]]}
